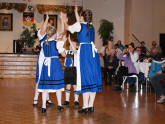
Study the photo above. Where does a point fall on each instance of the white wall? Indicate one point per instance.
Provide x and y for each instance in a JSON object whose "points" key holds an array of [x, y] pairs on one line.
{"points": [[146, 20], [113, 10], [7, 37]]}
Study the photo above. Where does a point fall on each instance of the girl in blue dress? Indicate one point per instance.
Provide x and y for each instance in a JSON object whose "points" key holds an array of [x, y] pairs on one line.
{"points": [[51, 78], [48, 101], [88, 64]]}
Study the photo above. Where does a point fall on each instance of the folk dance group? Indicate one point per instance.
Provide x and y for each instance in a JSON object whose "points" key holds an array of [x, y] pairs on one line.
{"points": [[82, 70]]}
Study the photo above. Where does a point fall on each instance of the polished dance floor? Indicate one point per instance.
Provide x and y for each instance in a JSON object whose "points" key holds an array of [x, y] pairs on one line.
{"points": [[16, 98]]}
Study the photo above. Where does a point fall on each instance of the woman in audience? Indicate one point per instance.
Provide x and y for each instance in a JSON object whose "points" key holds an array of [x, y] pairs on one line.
{"points": [[156, 51], [118, 51], [120, 45], [134, 55], [130, 57]]}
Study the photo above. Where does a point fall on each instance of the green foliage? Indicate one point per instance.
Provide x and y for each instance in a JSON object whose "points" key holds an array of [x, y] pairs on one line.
{"points": [[29, 35], [105, 30]]}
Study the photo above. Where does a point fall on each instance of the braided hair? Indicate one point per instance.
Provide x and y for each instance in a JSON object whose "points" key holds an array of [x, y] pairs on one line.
{"points": [[50, 31], [87, 14]]}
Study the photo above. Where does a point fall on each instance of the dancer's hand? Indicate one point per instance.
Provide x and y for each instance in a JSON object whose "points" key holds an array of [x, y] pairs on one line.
{"points": [[76, 13], [47, 15], [62, 14], [76, 8], [64, 17]]}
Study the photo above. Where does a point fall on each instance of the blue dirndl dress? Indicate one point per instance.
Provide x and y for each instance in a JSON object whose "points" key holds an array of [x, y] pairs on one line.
{"points": [[89, 62], [49, 73]]}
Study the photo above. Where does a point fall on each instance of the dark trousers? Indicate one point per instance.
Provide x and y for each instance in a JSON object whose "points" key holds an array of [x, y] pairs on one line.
{"points": [[157, 85], [108, 75], [123, 71]]}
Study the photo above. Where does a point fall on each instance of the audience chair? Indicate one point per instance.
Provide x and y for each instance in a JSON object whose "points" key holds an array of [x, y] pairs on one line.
{"points": [[124, 81]]}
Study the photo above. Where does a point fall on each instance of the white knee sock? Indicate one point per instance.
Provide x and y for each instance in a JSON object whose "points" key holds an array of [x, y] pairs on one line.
{"points": [[67, 94], [44, 97], [92, 98], [85, 99], [76, 96], [58, 94], [48, 98], [36, 95]]}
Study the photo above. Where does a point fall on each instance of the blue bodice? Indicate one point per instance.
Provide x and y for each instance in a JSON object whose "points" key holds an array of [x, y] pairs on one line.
{"points": [[69, 59], [50, 49], [84, 35]]}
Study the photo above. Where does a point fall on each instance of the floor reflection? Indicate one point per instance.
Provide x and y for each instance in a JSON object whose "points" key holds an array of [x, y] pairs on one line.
{"points": [[110, 107]]}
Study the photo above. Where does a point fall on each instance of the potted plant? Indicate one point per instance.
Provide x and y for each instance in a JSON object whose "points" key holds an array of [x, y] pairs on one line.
{"points": [[105, 30], [29, 35]]}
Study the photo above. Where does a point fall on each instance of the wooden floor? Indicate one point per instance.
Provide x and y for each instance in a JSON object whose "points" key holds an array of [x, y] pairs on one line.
{"points": [[16, 98]]}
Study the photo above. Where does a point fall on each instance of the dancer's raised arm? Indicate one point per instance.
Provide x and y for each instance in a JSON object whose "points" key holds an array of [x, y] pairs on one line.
{"points": [[76, 13], [44, 26], [62, 23], [75, 27], [71, 44]]}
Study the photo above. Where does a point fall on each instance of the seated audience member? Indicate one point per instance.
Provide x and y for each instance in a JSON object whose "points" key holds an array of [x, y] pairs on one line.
{"points": [[128, 63], [143, 48], [117, 50], [155, 46], [111, 63], [122, 71], [157, 85], [120, 45], [156, 51], [142, 57], [126, 46], [134, 56]]}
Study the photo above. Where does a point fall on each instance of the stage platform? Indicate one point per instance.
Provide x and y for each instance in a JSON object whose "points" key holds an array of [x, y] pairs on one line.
{"points": [[19, 65]]}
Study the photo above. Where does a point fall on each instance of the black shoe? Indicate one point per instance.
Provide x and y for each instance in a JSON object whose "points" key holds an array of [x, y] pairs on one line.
{"points": [[49, 103], [43, 110], [91, 109], [85, 110], [66, 103], [60, 108], [76, 104], [35, 105]]}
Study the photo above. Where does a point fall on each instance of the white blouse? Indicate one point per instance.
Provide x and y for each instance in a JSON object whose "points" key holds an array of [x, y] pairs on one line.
{"points": [[76, 27], [59, 44], [134, 58]]}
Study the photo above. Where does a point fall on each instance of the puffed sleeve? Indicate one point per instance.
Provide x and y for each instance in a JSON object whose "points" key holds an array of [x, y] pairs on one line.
{"points": [[76, 27], [39, 35], [60, 45]]}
